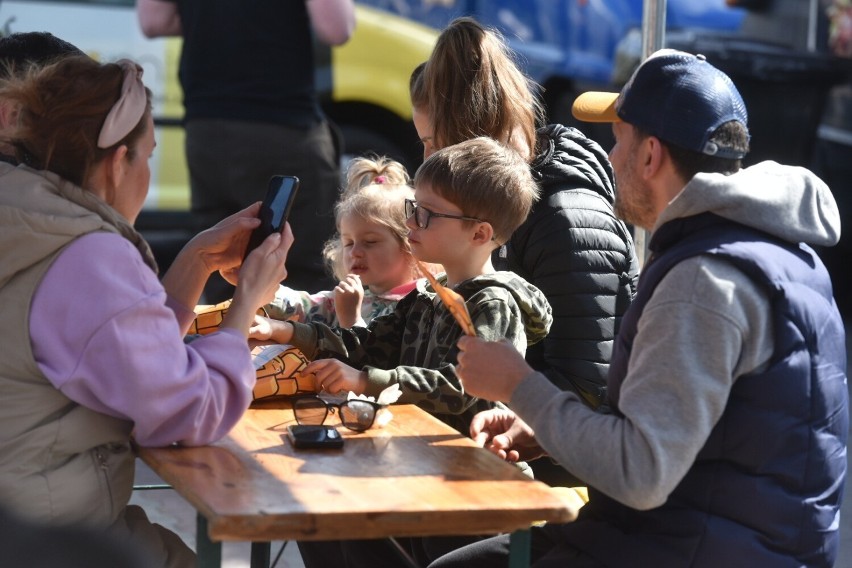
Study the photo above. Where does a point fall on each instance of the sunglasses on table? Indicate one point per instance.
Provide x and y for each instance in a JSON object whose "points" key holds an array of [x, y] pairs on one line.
{"points": [[422, 215], [356, 414]]}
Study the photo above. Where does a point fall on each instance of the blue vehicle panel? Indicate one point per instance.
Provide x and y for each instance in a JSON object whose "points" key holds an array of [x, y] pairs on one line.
{"points": [[567, 41]]}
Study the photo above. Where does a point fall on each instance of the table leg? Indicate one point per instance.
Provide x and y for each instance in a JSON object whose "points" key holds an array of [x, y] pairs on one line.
{"points": [[260, 554], [519, 549], [208, 553]]}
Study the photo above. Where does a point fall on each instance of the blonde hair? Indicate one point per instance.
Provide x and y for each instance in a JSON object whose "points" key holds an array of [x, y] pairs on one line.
{"points": [[376, 188], [471, 87], [381, 170]]}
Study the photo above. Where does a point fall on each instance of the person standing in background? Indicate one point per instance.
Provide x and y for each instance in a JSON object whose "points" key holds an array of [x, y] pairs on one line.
{"points": [[247, 73]]}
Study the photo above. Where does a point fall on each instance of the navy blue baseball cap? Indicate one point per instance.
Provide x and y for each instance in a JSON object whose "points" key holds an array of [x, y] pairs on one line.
{"points": [[676, 96]]}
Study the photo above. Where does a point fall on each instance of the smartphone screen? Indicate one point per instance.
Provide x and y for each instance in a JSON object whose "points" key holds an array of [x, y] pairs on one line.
{"points": [[283, 188], [275, 209]]}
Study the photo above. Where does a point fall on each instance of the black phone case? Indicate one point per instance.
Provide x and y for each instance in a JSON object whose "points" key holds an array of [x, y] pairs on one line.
{"points": [[266, 215], [304, 436]]}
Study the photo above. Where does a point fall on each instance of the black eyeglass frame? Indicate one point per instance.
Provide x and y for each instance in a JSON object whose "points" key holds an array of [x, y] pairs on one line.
{"points": [[412, 208], [332, 407]]}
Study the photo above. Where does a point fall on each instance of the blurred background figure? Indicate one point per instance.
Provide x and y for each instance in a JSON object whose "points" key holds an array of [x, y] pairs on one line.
{"points": [[247, 73]]}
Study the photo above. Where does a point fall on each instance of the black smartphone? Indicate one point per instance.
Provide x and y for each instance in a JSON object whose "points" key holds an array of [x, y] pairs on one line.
{"points": [[314, 436], [275, 209]]}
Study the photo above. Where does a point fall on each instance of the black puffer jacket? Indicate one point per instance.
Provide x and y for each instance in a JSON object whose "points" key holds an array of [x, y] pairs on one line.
{"points": [[574, 249]]}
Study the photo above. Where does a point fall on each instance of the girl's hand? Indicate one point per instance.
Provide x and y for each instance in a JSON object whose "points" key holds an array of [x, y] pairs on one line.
{"points": [[348, 296], [334, 376]]}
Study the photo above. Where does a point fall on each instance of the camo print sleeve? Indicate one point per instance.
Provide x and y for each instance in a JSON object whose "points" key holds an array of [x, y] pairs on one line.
{"points": [[433, 384], [415, 347]]}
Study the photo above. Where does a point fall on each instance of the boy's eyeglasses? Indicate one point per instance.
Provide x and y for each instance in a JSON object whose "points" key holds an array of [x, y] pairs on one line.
{"points": [[355, 414], [422, 215]]}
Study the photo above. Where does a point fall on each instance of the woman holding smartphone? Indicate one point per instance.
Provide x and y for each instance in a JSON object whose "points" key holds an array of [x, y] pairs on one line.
{"points": [[93, 341]]}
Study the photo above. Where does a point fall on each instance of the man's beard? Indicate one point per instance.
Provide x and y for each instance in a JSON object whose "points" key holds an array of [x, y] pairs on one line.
{"points": [[634, 205]]}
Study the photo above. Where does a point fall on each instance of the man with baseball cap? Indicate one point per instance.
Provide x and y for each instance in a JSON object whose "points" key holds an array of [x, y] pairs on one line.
{"points": [[726, 445]]}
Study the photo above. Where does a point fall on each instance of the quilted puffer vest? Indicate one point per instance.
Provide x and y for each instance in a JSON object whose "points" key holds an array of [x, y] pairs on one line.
{"points": [[766, 488]]}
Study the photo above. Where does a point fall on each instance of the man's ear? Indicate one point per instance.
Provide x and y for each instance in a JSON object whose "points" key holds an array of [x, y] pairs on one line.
{"points": [[653, 156], [484, 233]]}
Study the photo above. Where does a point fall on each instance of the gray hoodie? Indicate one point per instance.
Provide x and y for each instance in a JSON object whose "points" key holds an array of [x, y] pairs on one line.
{"points": [[705, 325]]}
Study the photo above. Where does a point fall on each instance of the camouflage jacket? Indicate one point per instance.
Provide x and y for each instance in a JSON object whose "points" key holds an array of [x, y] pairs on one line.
{"points": [[415, 345]]}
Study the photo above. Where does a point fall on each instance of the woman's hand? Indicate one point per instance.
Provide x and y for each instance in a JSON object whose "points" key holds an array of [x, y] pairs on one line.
{"points": [[264, 268], [222, 246], [231, 275], [334, 376], [348, 296]]}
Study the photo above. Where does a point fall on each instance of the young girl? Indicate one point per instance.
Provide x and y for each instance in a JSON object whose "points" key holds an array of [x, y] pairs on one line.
{"points": [[370, 254]]}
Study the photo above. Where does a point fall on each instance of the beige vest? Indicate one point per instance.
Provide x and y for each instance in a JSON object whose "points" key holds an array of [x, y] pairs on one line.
{"points": [[59, 461]]}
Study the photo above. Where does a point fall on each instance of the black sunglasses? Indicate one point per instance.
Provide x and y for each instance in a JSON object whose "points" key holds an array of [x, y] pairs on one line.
{"points": [[355, 414], [422, 215]]}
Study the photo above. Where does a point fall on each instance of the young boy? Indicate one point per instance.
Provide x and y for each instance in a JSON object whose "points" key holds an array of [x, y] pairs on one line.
{"points": [[469, 199]]}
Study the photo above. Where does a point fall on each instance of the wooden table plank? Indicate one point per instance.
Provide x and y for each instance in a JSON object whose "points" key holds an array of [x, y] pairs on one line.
{"points": [[414, 477]]}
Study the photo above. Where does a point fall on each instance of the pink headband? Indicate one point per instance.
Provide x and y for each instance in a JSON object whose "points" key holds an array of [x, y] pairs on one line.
{"points": [[126, 113], [379, 180]]}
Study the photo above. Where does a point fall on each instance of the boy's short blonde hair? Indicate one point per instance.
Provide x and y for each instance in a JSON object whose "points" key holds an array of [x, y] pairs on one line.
{"points": [[486, 180]]}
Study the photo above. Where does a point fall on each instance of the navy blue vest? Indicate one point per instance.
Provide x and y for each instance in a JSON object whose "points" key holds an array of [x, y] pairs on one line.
{"points": [[766, 488]]}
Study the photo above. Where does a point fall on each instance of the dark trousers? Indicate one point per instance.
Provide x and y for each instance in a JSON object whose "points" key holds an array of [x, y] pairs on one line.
{"points": [[230, 163], [379, 553], [546, 551]]}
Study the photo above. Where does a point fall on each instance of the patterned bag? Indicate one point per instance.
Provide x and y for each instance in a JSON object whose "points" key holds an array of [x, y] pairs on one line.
{"points": [[278, 366]]}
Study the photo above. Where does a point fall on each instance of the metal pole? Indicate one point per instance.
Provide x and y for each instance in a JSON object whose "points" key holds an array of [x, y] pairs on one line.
{"points": [[653, 38], [653, 26], [813, 19]]}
